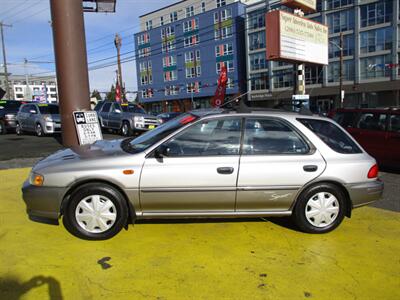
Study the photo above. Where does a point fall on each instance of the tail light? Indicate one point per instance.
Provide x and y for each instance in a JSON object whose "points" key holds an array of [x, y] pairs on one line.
{"points": [[373, 172]]}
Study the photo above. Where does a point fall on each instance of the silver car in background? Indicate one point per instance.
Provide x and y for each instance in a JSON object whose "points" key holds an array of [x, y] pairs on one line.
{"points": [[39, 118], [208, 164]]}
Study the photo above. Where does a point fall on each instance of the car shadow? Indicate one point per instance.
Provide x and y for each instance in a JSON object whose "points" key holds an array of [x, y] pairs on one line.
{"points": [[11, 288]]}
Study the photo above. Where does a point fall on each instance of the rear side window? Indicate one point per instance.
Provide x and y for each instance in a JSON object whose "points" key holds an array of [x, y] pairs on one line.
{"points": [[372, 121], [345, 119], [267, 137], [395, 123], [106, 107], [332, 135]]}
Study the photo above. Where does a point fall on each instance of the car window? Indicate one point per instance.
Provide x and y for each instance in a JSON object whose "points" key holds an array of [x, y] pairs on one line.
{"points": [[10, 105], [266, 136], [345, 119], [48, 109], [106, 107], [26, 108], [372, 121], [336, 138], [32, 107], [395, 123], [208, 138], [115, 107], [133, 109], [98, 106]]}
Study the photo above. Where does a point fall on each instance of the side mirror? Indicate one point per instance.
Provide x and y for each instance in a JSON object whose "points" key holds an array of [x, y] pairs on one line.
{"points": [[162, 151], [32, 111]]}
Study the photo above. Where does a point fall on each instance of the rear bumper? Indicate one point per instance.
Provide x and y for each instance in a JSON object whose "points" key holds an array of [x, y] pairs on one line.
{"points": [[365, 193], [42, 203]]}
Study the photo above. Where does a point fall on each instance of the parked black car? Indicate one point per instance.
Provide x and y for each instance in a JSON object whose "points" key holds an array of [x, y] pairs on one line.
{"points": [[8, 114]]}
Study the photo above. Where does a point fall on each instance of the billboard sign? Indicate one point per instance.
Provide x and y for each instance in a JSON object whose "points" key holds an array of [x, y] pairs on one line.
{"points": [[295, 39], [305, 5]]}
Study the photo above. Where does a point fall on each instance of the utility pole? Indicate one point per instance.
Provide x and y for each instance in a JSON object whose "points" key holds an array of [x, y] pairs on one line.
{"points": [[28, 95], [341, 91], [71, 64], [118, 43], [8, 94]]}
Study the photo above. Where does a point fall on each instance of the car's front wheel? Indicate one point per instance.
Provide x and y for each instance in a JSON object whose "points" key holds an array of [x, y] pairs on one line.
{"points": [[320, 208], [39, 130], [126, 129], [95, 212]]}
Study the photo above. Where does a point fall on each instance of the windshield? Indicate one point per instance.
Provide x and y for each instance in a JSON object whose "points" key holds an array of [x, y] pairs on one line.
{"points": [[133, 109], [10, 105], [48, 109], [141, 143]]}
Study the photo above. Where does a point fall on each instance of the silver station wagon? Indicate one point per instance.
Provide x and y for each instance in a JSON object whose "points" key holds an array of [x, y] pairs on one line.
{"points": [[210, 163]]}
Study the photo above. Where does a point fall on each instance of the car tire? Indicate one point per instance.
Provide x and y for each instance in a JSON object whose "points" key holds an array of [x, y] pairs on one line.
{"points": [[39, 130], [18, 129], [3, 129], [95, 211], [320, 208], [126, 129]]}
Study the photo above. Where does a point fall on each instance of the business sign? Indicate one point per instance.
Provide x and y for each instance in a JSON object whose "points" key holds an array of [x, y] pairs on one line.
{"points": [[87, 127], [260, 96], [295, 39], [305, 5]]}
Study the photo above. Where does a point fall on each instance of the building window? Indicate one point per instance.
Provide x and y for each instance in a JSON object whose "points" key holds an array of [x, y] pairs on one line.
{"points": [[375, 66], [221, 3], [147, 93], [229, 66], [203, 7], [191, 40], [258, 61], [193, 71], [338, 3], [376, 13], [170, 75], [169, 61], [146, 78], [168, 46], [229, 83], [256, 20], [193, 87], [18, 89], [341, 21], [283, 78], [161, 21], [145, 66], [222, 50], [222, 15], [189, 11], [376, 40], [192, 64], [259, 81], [223, 33], [149, 25], [144, 52], [173, 16], [334, 71], [348, 46], [171, 90], [313, 75], [190, 25], [143, 39], [257, 40], [190, 56], [167, 32]]}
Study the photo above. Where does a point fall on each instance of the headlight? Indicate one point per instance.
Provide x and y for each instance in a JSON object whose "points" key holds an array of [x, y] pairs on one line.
{"points": [[36, 179], [48, 119], [9, 116], [139, 119]]}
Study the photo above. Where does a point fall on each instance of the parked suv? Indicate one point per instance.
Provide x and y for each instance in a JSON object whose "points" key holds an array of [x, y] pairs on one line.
{"points": [[290, 164], [8, 114], [377, 130], [127, 118], [39, 118]]}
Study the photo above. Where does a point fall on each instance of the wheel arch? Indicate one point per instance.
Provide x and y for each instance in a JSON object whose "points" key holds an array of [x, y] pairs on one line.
{"points": [[349, 204], [76, 185]]}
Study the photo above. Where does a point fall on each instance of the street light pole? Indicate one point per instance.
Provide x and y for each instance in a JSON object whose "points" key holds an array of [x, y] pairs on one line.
{"points": [[8, 95]]}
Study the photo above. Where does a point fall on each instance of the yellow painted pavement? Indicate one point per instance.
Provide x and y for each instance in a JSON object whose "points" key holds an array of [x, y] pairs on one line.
{"points": [[244, 259]]}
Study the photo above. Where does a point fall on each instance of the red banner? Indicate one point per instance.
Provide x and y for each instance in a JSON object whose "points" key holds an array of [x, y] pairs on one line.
{"points": [[219, 96], [118, 93]]}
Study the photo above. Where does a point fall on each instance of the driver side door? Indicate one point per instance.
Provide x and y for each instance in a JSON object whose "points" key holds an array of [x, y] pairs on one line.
{"points": [[198, 174]]}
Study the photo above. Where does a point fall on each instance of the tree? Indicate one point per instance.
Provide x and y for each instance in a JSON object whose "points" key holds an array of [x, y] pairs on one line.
{"points": [[111, 94], [96, 94]]}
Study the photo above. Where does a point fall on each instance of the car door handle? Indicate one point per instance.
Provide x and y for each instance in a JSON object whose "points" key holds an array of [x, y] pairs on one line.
{"points": [[310, 168], [225, 170]]}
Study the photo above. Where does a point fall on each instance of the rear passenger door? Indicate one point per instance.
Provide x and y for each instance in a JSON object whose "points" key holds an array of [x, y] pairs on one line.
{"points": [[276, 161], [393, 141]]}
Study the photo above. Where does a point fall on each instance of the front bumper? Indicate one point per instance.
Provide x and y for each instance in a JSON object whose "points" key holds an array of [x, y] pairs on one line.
{"points": [[364, 193], [51, 127], [10, 124], [42, 203]]}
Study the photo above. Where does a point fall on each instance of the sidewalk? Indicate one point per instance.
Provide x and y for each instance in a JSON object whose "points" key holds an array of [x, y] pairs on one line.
{"points": [[211, 259]]}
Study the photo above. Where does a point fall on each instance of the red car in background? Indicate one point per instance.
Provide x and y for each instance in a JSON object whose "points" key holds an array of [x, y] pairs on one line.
{"points": [[376, 130]]}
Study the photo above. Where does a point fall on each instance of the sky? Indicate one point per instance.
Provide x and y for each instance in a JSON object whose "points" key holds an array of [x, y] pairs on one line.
{"points": [[31, 37]]}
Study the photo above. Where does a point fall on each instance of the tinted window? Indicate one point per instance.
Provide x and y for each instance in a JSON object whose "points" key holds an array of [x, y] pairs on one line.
{"points": [[372, 121], [26, 108], [133, 109], [209, 137], [48, 109], [331, 135], [395, 123], [98, 106], [266, 136], [115, 107], [10, 105], [345, 119], [106, 107]]}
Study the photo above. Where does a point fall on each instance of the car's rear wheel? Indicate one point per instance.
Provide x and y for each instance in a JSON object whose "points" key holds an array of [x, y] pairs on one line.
{"points": [[18, 129], [95, 212], [2, 128], [39, 130], [126, 129], [320, 208]]}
